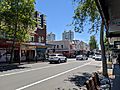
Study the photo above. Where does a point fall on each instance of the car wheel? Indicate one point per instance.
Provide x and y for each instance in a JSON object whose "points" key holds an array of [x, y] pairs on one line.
{"points": [[59, 61], [65, 59], [50, 62]]}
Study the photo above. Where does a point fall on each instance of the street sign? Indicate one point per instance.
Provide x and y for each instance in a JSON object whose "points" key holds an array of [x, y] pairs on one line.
{"points": [[114, 25], [116, 42]]}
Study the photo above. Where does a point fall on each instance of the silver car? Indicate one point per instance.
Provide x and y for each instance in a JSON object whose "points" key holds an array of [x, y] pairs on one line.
{"points": [[57, 58], [81, 57], [98, 57]]}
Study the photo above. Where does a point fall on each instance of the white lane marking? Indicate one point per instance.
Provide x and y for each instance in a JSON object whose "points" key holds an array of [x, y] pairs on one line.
{"points": [[8, 74], [38, 82]]}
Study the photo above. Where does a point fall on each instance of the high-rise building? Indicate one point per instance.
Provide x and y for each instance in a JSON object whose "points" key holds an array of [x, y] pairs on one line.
{"points": [[40, 19], [50, 37], [68, 35], [40, 32]]}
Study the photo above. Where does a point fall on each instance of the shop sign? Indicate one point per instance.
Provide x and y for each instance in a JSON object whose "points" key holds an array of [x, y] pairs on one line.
{"points": [[116, 42], [31, 47], [9, 41], [41, 47], [114, 25]]}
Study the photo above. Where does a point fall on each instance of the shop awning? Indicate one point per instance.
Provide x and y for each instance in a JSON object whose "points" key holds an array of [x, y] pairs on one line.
{"points": [[110, 13], [34, 44]]}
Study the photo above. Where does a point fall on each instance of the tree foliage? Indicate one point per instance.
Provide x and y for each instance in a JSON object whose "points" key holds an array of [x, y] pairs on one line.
{"points": [[16, 20], [16, 16], [86, 12], [93, 43]]}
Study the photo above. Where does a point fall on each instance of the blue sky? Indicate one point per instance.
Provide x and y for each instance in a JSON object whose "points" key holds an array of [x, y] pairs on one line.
{"points": [[59, 14]]}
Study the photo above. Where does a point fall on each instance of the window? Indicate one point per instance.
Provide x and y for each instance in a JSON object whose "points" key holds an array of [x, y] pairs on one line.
{"points": [[42, 38], [39, 39], [61, 46], [57, 46], [32, 39]]}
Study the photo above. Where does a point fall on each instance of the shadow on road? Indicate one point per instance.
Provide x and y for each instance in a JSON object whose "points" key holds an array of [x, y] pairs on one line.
{"points": [[7, 67], [79, 80]]}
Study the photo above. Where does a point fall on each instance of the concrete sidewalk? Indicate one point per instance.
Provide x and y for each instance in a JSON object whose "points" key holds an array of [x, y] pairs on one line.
{"points": [[116, 80]]}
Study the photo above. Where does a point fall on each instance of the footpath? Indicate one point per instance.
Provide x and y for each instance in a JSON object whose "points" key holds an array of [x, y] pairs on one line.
{"points": [[116, 80], [114, 75]]}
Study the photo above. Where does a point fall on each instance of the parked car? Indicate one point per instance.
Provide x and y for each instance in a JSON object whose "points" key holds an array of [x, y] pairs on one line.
{"points": [[98, 57], [90, 56], [57, 58], [93, 57], [81, 57]]}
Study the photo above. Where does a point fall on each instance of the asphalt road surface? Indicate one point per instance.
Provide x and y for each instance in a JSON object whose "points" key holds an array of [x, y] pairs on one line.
{"points": [[45, 76]]}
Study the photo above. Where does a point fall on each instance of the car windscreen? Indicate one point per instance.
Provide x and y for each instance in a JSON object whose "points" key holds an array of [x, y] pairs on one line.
{"points": [[52, 55], [60, 55], [80, 55], [98, 55]]}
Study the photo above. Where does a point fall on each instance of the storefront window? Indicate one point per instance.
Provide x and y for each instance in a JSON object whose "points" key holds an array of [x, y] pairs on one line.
{"points": [[42, 38], [61, 46], [32, 39], [39, 39]]}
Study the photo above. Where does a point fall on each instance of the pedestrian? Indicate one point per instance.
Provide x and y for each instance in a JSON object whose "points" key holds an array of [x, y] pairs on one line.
{"points": [[118, 59]]}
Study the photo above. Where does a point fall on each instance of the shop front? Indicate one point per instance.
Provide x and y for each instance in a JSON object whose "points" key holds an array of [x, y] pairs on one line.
{"points": [[5, 51], [41, 52], [28, 52], [33, 52]]}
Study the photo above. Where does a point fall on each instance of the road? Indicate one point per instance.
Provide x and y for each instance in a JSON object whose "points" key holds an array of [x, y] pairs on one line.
{"points": [[45, 76]]}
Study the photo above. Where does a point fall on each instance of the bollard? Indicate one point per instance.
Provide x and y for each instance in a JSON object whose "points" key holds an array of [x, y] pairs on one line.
{"points": [[97, 79], [92, 84], [87, 85], [95, 82]]}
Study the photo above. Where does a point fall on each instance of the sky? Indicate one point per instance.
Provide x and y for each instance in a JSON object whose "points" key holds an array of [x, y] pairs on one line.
{"points": [[59, 15]]}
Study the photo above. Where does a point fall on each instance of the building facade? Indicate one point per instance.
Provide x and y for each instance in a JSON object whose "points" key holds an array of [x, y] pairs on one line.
{"points": [[68, 35], [80, 47], [50, 37], [69, 48], [29, 50], [64, 46], [39, 34]]}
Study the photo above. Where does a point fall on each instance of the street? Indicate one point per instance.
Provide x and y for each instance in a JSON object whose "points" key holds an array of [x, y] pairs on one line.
{"points": [[45, 76]]}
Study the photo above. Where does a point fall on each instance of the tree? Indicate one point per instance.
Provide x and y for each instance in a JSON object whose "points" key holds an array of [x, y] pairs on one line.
{"points": [[86, 10], [93, 43], [17, 19]]}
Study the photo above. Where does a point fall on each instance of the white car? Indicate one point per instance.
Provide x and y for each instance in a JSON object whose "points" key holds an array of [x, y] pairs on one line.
{"points": [[93, 57], [98, 57], [57, 58]]}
